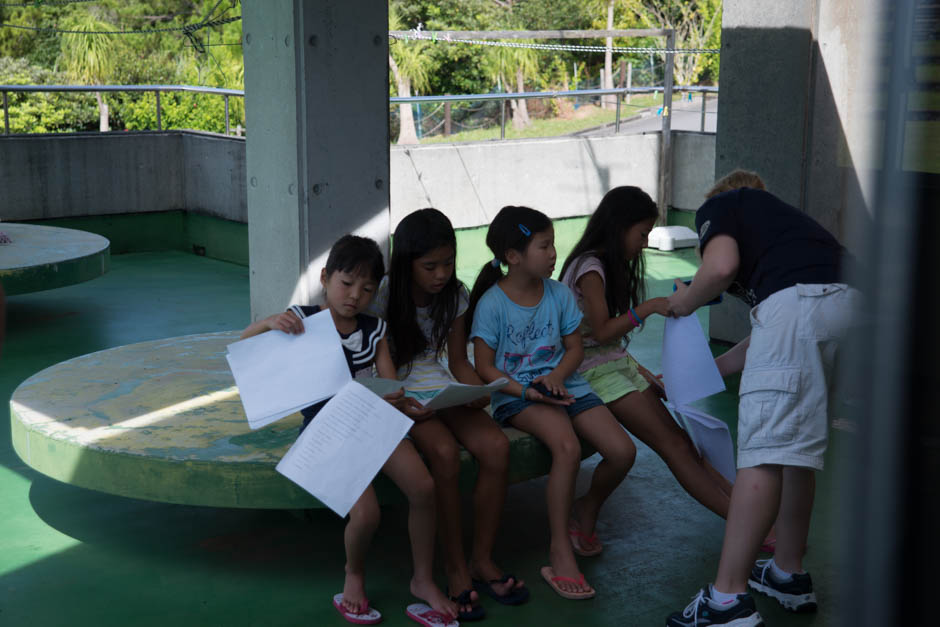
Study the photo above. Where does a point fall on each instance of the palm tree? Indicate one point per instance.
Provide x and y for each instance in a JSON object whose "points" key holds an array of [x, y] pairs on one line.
{"points": [[410, 67], [517, 62], [88, 57]]}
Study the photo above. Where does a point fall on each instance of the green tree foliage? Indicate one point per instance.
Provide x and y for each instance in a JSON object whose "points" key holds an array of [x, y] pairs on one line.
{"points": [[159, 58], [697, 24], [171, 58], [48, 112]]}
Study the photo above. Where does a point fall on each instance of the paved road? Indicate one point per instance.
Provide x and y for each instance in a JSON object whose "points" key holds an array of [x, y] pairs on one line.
{"points": [[686, 116]]}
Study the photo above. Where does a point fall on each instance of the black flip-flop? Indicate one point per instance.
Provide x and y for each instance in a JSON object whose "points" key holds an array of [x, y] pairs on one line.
{"points": [[516, 596], [477, 613]]}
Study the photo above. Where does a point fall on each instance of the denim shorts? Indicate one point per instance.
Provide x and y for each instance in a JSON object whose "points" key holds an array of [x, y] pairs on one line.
{"points": [[505, 413]]}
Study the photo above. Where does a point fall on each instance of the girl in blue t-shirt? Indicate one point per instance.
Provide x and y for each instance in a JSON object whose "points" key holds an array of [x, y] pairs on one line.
{"points": [[424, 303], [525, 328]]}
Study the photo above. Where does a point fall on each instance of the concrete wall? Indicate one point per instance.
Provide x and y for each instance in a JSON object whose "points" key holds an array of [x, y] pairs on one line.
{"points": [[564, 176], [63, 176], [317, 160]]}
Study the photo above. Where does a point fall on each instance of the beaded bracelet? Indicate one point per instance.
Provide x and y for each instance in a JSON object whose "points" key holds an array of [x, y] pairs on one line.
{"points": [[525, 388]]}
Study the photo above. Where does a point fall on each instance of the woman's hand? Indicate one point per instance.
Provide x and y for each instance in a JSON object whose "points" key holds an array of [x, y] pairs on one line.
{"points": [[677, 306]]}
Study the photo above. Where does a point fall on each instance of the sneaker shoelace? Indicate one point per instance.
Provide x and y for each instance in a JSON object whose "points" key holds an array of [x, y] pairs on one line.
{"points": [[691, 610], [764, 565]]}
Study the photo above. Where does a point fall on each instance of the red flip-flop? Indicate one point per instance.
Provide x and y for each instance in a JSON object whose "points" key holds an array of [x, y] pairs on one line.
{"points": [[577, 536], [366, 616], [548, 574], [425, 615]]}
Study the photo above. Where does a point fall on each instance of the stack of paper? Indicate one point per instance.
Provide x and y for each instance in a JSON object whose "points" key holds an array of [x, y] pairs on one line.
{"points": [[452, 395], [338, 455], [278, 374], [690, 374]]}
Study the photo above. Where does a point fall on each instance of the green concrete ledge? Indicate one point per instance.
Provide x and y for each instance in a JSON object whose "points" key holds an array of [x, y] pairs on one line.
{"points": [[43, 257], [188, 231], [162, 421]]}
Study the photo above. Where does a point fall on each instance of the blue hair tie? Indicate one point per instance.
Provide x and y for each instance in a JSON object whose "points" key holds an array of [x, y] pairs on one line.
{"points": [[525, 230], [495, 262]]}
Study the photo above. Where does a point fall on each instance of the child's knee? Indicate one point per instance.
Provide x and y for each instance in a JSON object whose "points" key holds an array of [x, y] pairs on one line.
{"points": [[444, 458], [494, 454], [623, 454], [420, 490], [567, 450], [365, 514]]}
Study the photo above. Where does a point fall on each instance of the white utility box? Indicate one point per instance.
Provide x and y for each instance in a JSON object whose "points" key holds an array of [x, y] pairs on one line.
{"points": [[672, 237]]}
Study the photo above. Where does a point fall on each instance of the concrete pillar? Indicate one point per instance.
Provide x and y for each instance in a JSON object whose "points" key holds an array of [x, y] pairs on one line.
{"points": [[793, 108], [317, 161]]}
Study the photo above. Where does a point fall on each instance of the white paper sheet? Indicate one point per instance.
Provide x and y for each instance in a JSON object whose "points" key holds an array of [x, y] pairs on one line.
{"points": [[380, 386], [689, 370], [339, 453], [460, 393], [278, 373], [711, 437]]}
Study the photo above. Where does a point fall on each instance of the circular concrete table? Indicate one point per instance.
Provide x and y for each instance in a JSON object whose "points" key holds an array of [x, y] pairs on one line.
{"points": [[46, 257], [162, 421]]}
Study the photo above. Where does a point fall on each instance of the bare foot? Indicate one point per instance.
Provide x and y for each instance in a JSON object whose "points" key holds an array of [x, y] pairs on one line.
{"points": [[428, 592], [565, 565], [354, 593], [488, 571]]}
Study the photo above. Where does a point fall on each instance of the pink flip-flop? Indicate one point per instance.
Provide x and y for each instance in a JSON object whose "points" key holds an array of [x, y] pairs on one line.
{"points": [[548, 574], [366, 616], [425, 615], [577, 536]]}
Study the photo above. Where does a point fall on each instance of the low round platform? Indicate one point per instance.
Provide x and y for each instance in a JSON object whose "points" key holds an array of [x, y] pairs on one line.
{"points": [[46, 257], [163, 421]]}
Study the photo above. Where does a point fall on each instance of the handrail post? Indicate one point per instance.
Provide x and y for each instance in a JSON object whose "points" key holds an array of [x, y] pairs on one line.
{"points": [[159, 117], [6, 115], [665, 154], [227, 127], [704, 99], [617, 127], [502, 118]]}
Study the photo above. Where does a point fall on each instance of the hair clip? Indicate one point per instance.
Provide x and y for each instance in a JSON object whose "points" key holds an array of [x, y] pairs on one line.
{"points": [[525, 230], [495, 262]]}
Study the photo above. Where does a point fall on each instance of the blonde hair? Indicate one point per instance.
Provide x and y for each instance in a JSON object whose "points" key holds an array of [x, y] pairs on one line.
{"points": [[735, 180]]}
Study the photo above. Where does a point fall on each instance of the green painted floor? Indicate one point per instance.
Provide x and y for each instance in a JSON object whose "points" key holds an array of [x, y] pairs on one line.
{"points": [[70, 556]]}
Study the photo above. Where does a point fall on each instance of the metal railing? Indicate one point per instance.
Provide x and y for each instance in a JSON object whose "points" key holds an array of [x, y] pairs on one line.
{"points": [[667, 90], [156, 89], [620, 93]]}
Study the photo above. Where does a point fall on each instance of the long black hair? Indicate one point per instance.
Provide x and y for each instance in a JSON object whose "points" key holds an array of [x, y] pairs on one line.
{"points": [[620, 209], [511, 229], [416, 235]]}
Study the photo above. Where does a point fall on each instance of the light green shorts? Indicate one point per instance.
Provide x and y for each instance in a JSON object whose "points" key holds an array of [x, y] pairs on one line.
{"points": [[616, 379]]}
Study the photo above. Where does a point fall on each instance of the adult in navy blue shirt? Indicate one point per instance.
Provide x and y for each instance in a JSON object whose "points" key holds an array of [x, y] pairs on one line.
{"points": [[786, 266]]}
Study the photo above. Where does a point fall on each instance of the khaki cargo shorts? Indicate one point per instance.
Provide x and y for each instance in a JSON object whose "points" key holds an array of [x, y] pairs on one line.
{"points": [[788, 374]]}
